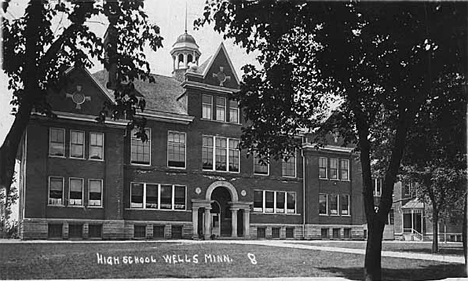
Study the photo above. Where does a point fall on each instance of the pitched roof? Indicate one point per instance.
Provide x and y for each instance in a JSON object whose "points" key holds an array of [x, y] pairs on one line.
{"points": [[161, 96], [414, 204]]}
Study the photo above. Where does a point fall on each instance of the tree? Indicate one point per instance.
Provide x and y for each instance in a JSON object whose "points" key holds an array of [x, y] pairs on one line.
{"points": [[435, 156], [36, 52], [381, 60]]}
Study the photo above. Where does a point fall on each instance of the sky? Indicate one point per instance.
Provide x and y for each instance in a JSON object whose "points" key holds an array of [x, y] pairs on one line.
{"points": [[170, 16]]}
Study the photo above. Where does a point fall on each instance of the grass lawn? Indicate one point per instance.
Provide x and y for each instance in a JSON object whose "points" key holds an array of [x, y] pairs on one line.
{"points": [[454, 249], [80, 260]]}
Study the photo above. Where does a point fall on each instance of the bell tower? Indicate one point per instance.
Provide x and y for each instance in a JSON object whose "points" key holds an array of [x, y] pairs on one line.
{"points": [[184, 52]]}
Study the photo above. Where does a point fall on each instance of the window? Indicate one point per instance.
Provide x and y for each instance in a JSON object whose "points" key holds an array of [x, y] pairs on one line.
{"points": [[333, 168], [344, 168], [275, 232], [151, 196], [158, 196], [207, 104], [136, 195], [179, 197], [322, 167], [391, 217], [96, 146], [57, 142], [76, 144], [95, 231], [158, 231], [260, 168], [76, 192], [289, 167], [221, 154], [234, 155], [344, 204], [95, 193], [261, 232], [347, 233], [323, 204], [407, 189], [324, 232], [289, 232], [233, 111], [377, 187], [225, 158], [55, 191], [258, 201], [221, 109], [176, 232], [207, 153], [139, 231], [278, 202], [75, 230], [333, 204], [141, 151], [336, 233], [269, 202], [54, 230], [166, 197], [176, 150], [291, 204]]}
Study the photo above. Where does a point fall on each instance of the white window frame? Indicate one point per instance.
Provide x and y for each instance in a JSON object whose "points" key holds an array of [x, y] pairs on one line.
{"points": [[102, 147], [211, 108], [69, 192], [347, 169], [349, 203], [326, 204], [63, 192], [337, 169], [326, 168], [63, 144], [219, 106], [132, 137], [275, 192], [212, 153], [236, 109], [89, 193], [337, 204], [185, 149], [83, 145], [295, 166], [229, 149], [255, 161], [159, 197], [227, 155]]}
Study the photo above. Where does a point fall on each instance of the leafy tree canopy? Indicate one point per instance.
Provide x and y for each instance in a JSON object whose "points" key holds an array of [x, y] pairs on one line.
{"points": [[50, 37]]}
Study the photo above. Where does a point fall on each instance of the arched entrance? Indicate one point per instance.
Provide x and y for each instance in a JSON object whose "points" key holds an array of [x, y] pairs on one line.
{"points": [[220, 214]]}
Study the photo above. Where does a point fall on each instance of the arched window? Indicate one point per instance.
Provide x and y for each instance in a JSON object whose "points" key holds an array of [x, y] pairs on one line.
{"points": [[190, 58], [180, 60]]}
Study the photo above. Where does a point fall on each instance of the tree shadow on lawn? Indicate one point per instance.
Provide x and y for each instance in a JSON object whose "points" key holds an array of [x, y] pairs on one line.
{"points": [[430, 272]]}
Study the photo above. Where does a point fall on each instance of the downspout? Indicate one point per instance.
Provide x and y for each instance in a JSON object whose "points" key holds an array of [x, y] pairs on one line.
{"points": [[304, 159]]}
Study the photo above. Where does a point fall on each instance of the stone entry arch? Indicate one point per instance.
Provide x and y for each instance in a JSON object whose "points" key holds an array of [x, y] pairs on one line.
{"points": [[234, 206]]}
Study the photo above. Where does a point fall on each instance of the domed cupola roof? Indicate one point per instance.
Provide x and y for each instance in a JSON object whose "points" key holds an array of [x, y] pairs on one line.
{"points": [[185, 40]]}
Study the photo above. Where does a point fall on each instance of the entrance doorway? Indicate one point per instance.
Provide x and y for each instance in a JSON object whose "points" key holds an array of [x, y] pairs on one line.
{"points": [[220, 212]]}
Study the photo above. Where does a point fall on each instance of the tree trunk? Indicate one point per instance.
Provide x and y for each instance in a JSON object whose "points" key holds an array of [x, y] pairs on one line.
{"points": [[372, 263], [10, 147], [435, 229]]}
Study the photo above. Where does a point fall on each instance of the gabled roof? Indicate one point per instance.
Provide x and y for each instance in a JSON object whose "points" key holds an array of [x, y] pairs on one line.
{"points": [[205, 67], [160, 96], [413, 204]]}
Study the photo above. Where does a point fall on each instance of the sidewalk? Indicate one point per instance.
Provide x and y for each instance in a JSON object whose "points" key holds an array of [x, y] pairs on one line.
{"points": [[296, 245]]}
